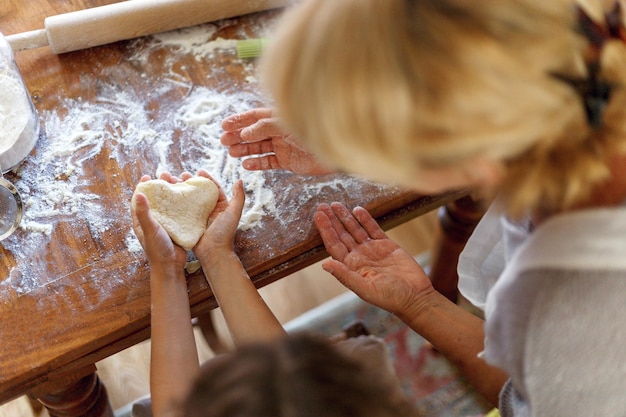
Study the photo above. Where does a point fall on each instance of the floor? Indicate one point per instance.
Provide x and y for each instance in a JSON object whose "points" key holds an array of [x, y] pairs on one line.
{"points": [[126, 374]]}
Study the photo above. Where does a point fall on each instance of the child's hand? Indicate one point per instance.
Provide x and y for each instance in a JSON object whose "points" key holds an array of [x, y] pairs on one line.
{"points": [[219, 237], [259, 136], [156, 243]]}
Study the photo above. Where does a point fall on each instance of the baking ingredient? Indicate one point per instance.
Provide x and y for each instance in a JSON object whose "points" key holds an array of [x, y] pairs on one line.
{"points": [[18, 120], [182, 208], [14, 113], [119, 127]]}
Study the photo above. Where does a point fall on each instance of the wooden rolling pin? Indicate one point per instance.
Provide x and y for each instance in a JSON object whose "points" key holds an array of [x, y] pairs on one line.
{"points": [[130, 19]]}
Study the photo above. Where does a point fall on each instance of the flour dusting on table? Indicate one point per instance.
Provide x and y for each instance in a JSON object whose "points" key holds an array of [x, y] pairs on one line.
{"points": [[59, 182]]}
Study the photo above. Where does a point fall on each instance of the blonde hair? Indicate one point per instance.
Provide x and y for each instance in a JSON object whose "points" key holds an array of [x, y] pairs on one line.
{"points": [[387, 88]]}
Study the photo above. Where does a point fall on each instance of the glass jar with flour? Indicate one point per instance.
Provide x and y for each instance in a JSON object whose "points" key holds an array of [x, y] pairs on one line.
{"points": [[19, 130]]}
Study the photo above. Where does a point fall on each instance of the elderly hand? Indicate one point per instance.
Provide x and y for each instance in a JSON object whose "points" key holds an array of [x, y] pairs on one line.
{"points": [[257, 135], [366, 261]]}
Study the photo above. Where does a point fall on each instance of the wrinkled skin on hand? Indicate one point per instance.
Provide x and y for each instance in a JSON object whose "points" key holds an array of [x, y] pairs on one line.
{"points": [[258, 136], [366, 261]]}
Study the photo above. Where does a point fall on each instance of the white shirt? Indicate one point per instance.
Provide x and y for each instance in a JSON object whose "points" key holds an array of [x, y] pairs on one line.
{"points": [[555, 305]]}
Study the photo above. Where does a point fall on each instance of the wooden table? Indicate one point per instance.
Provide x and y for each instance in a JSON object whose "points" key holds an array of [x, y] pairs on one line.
{"points": [[74, 289]]}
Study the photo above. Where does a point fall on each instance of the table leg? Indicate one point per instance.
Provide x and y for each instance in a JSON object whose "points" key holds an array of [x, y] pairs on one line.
{"points": [[457, 221], [86, 396]]}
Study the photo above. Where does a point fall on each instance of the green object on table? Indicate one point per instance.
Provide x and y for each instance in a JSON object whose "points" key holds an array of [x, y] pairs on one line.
{"points": [[250, 48]]}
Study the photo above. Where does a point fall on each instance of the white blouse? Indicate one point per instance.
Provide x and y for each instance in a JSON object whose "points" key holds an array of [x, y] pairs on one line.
{"points": [[555, 303]]}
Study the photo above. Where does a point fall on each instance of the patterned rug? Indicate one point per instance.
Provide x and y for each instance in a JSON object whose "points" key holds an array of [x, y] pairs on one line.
{"points": [[437, 388]]}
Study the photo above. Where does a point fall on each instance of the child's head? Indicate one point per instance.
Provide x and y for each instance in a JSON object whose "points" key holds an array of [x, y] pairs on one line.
{"points": [[298, 376], [435, 94]]}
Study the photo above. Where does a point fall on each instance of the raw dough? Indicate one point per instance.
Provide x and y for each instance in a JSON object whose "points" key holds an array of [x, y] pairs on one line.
{"points": [[183, 208]]}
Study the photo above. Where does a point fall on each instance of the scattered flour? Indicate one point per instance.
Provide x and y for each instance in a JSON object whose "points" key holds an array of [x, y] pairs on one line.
{"points": [[55, 186], [58, 182]]}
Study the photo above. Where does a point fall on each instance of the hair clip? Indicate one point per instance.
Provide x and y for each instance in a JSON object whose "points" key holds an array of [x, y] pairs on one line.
{"points": [[594, 92], [595, 95], [597, 34]]}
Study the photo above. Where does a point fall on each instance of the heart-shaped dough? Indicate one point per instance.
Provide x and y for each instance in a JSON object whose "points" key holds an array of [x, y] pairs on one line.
{"points": [[183, 208]]}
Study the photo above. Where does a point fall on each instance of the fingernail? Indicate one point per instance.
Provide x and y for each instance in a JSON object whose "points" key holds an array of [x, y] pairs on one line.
{"points": [[245, 132]]}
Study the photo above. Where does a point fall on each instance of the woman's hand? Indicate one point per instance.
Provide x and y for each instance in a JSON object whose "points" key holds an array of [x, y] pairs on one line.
{"points": [[257, 135], [156, 242], [369, 263], [380, 272]]}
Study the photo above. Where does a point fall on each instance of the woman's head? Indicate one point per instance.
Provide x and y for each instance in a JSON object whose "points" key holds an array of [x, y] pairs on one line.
{"points": [[436, 94], [299, 376]]}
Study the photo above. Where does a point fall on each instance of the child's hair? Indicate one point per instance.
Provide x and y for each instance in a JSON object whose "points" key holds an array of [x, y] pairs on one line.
{"points": [[299, 376], [387, 88]]}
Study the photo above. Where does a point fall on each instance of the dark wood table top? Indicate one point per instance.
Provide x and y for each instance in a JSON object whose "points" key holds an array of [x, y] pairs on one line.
{"points": [[74, 283]]}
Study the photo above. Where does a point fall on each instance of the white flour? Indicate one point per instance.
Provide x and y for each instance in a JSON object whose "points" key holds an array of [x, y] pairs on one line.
{"points": [[13, 111], [17, 135], [121, 122], [59, 182]]}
